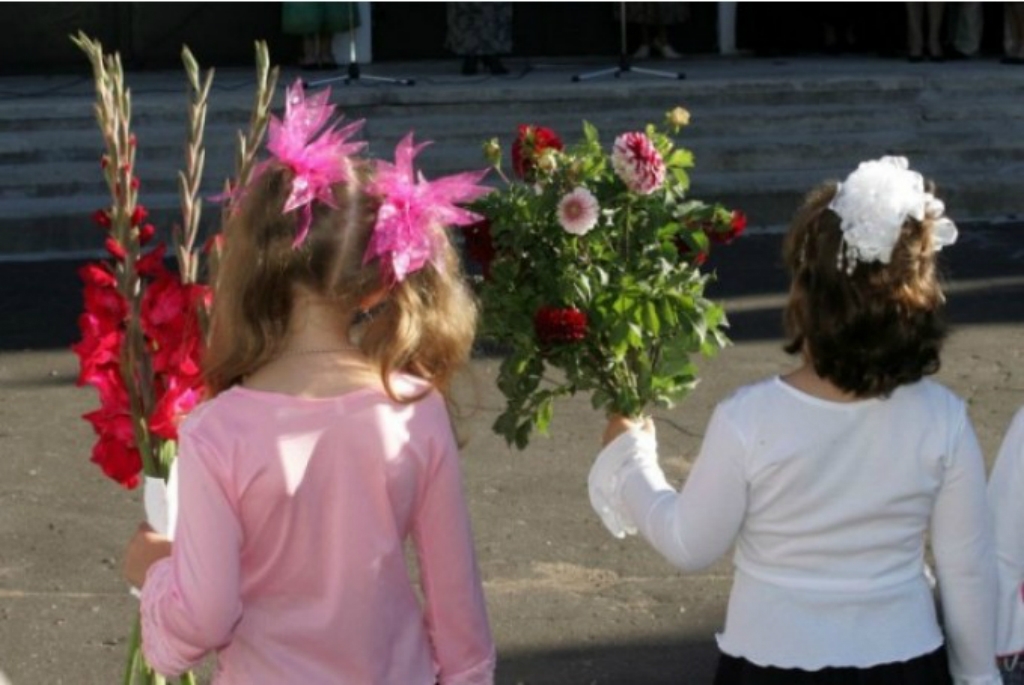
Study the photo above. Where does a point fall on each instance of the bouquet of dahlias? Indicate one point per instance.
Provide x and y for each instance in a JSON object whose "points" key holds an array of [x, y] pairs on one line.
{"points": [[143, 324], [591, 266]]}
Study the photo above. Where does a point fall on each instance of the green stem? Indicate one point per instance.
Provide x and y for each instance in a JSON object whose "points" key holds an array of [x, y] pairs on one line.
{"points": [[627, 227], [134, 652], [497, 168]]}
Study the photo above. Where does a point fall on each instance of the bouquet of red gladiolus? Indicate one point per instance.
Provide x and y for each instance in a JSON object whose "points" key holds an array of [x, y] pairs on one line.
{"points": [[142, 328]]}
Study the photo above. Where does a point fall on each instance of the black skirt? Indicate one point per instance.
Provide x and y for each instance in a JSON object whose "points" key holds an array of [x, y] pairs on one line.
{"points": [[928, 669]]}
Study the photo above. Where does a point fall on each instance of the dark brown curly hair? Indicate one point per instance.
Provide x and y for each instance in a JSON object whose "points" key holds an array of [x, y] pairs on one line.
{"points": [[871, 330]]}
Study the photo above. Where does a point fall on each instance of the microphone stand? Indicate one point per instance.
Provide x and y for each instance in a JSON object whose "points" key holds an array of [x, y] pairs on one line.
{"points": [[625, 67], [353, 73]]}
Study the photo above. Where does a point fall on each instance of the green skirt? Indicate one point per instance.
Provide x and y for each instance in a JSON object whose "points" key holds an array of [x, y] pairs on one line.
{"points": [[302, 18]]}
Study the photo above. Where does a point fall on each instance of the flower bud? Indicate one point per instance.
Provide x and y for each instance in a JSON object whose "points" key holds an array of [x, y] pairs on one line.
{"points": [[677, 118], [492, 151], [547, 163]]}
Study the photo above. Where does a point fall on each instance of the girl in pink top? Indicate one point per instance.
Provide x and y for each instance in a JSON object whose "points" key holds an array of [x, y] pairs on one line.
{"points": [[340, 317]]}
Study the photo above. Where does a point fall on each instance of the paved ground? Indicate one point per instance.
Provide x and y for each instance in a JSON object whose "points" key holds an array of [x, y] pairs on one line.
{"points": [[569, 604]]}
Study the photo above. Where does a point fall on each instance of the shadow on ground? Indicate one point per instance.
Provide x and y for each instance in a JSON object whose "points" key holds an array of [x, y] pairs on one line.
{"points": [[686, 662], [40, 301]]}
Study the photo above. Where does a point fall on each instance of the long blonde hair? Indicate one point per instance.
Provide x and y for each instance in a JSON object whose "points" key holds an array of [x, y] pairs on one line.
{"points": [[425, 325]]}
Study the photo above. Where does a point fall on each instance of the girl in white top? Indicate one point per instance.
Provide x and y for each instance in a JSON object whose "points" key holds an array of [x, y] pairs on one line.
{"points": [[1005, 487], [828, 479]]}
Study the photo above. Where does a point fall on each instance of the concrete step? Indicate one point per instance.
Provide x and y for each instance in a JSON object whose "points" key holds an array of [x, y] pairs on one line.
{"points": [[769, 198], [933, 150], [760, 140]]}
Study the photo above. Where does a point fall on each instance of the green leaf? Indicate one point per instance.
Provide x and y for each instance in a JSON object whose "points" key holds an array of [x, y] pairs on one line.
{"points": [[505, 426], [681, 157], [522, 435], [651, 319], [168, 453], [542, 416], [583, 291], [681, 177]]}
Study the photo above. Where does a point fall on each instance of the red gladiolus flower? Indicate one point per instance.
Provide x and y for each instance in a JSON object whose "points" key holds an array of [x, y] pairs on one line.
{"points": [[105, 303], [164, 302], [181, 355], [152, 264], [119, 461], [102, 219], [115, 452], [555, 325], [479, 246], [99, 354], [170, 322], [97, 273], [178, 399], [101, 296], [109, 385], [528, 146]]}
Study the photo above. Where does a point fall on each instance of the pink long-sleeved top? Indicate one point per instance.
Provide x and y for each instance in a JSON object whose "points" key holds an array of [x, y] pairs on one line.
{"points": [[288, 555]]}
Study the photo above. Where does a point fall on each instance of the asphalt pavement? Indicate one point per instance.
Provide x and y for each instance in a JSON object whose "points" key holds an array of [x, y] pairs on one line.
{"points": [[569, 604]]}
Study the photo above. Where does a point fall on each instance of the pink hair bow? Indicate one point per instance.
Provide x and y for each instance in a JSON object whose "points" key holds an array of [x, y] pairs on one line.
{"points": [[414, 211], [318, 161]]}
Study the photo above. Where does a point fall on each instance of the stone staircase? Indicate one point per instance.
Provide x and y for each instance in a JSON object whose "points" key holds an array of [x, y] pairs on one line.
{"points": [[761, 138]]}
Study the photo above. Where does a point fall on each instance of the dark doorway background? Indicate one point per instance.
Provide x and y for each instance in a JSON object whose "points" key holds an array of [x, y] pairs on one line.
{"points": [[149, 35]]}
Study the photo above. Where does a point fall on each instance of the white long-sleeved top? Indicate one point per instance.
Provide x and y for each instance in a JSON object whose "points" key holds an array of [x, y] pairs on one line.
{"points": [[828, 505], [1006, 496]]}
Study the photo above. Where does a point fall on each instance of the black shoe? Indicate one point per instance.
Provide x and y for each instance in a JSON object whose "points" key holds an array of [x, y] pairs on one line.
{"points": [[495, 65], [469, 67]]}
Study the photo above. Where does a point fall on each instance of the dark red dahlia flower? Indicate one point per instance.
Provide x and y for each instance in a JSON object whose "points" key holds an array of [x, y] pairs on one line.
{"points": [[737, 224], [531, 142], [555, 325]]}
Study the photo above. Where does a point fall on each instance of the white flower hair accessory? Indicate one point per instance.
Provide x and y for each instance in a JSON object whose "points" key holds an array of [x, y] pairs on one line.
{"points": [[873, 203]]}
